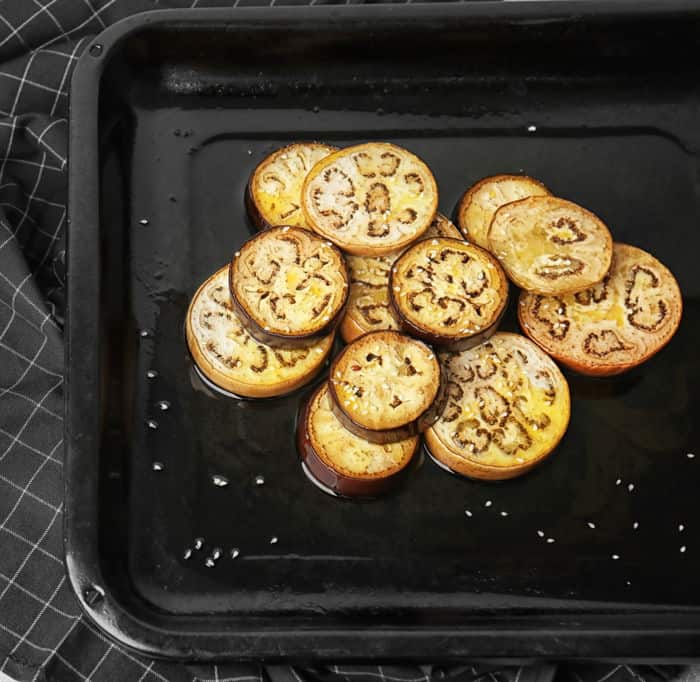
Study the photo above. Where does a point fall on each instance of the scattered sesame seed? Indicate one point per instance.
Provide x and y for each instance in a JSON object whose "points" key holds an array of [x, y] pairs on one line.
{"points": [[615, 557], [540, 533], [273, 540], [468, 513], [550, 541], [209, 563], [488, 503], [216, 554], [630, 487], [591, 524], [504, 513], [187, 554], [635, 525], [198, 543], [681, 527], [235, 552], [531, 129], [690, 455], [619, 480], [682, 550]]}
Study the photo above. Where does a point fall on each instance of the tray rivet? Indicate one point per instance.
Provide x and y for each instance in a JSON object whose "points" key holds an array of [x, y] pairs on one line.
{"points": [[219, 481], [152, 424], [235, 553], [259, 480], [93, 595], [163, 405], [96, 50], [151, 374], [158, 466], [198, 543]]}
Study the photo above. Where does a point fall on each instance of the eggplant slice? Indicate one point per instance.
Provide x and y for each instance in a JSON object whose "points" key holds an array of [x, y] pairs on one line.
{"points": [[550, 246], [386, 386], [507, 408], [289, 286], [613, 326], [344, 463], [232, 359], [481, 201], [370, 199], [369, 308], [273, 193], [448, 292]]}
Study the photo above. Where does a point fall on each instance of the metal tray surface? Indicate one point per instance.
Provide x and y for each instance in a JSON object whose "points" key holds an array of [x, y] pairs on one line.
{"points": [[170, 113]]}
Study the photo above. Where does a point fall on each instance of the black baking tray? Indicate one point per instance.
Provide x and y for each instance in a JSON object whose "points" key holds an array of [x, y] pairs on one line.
{"points": [[170, 112]]}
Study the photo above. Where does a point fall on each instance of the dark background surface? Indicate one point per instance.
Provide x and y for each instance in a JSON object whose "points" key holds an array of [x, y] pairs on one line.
{"points": [[42, 635]]}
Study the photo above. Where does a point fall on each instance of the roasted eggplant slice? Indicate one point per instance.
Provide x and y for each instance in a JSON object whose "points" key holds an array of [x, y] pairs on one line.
{"points": [[370, 199], [611, 327], [343, 463], [550, 246], [448, 292], [273, 193], [230, 358], [386, 386], [507, 409], [289, 286]]}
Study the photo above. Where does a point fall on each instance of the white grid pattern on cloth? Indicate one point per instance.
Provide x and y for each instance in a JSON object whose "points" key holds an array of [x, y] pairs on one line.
{"points": [[40, 42]]}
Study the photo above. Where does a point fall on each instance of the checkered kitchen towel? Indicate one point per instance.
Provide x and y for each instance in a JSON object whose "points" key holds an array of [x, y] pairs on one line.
{"points": [[42, 634]]}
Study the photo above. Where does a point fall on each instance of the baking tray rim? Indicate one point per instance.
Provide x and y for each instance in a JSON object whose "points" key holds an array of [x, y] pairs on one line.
{"points": [[653, 634]]}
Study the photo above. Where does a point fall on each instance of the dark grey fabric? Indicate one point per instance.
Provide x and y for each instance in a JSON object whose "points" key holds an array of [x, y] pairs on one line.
{"points": [[42, 633]]}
